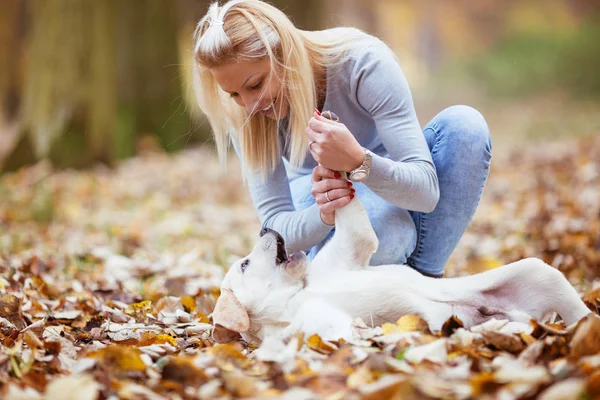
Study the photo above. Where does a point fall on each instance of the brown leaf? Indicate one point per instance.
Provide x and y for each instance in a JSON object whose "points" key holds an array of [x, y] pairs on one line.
{"points": [[509, 343], [32, 341], [10, 308], [586, 340], [593, 385], [484, 383], [49, 292], [592, 299], [452, 324], [182, 370]]}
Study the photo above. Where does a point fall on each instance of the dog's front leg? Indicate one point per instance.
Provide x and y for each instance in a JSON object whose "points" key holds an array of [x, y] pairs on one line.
{"points": [[354, 241]]}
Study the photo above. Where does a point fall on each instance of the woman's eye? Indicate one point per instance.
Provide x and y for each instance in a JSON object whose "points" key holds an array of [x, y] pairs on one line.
{"points": [[258, 85], [245, 264]]}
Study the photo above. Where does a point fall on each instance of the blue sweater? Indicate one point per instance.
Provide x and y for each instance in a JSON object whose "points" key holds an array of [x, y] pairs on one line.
{"points": [[370, 94]]}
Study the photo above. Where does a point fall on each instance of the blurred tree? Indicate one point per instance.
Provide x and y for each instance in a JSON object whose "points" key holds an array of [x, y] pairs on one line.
{"points": [[12, 34], [98, 75]]}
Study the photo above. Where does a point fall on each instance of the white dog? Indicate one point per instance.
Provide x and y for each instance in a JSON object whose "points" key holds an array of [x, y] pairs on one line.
{"points": [[267, 293]]}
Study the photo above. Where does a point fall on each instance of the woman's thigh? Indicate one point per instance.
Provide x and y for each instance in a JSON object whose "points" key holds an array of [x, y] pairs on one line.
{"points": [[394, 227]]}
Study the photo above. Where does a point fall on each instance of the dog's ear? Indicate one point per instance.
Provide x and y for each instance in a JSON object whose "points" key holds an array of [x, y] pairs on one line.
{"points": [[229, 317], [224, 335]]}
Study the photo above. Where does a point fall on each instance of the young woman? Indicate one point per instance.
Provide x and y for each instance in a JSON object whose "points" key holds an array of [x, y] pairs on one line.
{"points": [[261, 82]]}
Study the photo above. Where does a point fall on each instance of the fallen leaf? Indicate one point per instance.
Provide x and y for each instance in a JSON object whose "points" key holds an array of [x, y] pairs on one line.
{"points": [[509, 343], [434, 352], [73, 388], [406, 323], [586, 340], [568, 389], [322, 346], [120, 359]]}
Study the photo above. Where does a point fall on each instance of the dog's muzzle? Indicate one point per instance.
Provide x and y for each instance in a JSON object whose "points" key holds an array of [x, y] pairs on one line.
{"points": [[281, 252]]}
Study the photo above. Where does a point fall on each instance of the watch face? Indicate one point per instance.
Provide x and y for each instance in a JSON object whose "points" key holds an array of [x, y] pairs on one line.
{"points": [[358, 176]]}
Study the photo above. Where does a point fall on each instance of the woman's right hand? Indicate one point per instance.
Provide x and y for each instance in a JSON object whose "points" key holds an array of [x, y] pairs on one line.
{"points": [[328, 183]]}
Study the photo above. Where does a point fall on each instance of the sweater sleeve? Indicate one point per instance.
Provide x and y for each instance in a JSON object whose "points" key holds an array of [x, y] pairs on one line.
{"points": [[408, 178], [301, 229]]}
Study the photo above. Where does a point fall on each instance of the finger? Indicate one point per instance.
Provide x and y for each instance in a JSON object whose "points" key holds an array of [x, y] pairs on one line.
{"points": [[313, 136], [331, 195], [330, 207], [327, 184], [321, 125], [320, 173], [326, 120]]}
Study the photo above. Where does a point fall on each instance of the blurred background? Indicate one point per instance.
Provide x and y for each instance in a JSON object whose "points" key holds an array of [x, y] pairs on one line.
{"points": [[85, 81]]}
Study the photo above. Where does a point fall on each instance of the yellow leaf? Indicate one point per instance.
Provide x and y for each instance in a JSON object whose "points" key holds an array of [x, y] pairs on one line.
{"points": [[490, 263], [228, 356], [316, 343], [149, 338], [406, 323], [484, 382], [121, 358], [189, 304], [142, 305]]}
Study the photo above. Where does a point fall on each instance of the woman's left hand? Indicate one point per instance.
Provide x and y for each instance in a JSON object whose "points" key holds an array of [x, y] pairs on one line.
{"points": [[332, 145]]}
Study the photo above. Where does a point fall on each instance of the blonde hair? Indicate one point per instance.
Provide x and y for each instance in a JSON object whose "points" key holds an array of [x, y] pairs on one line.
{"points": [[251, 30]]}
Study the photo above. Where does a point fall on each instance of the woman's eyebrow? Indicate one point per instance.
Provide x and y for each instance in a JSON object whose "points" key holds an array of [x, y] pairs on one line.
{"points": [[248, 78]]}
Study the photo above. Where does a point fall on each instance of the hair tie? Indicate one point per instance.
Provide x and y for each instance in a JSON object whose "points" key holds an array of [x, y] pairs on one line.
{"points": [[216, 22]]}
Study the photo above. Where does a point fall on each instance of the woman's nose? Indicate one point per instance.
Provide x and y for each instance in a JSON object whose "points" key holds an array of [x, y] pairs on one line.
{"points": [[251, 106]]}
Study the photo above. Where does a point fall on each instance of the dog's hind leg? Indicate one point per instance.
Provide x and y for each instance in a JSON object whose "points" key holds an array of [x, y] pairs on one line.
{"points": [[524, 288]]}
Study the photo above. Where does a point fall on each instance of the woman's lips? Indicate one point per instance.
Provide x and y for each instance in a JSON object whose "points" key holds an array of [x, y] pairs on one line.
{"points": [[270, 110]]}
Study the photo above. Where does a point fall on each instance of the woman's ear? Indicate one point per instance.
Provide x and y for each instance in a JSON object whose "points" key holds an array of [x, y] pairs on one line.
{"points": [[229, 317]]}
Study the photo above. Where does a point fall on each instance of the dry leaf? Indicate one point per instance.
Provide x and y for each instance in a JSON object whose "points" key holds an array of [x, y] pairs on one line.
{"points": [[564, 390], [118, 288], [322, 346], [119, 358], [74, 387], [406, 323], [509, 343], [586, 340]]}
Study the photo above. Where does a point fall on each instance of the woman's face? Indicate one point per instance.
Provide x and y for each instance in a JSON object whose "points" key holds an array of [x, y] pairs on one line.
{"points": [[248, 84]]}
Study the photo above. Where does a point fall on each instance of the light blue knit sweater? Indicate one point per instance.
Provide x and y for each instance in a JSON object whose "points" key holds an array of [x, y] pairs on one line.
{"points": [[370, 94]]}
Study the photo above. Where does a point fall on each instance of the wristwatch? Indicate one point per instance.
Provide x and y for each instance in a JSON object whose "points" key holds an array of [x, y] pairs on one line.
{"points": [[362, 172]]}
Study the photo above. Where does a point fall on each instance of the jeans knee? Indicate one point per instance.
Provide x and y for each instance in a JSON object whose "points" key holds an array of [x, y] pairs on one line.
{"points": [[397, 238], [467, 127]]}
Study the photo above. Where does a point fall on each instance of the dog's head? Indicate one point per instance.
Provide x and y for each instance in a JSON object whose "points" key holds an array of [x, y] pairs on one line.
{"points": [[256, 288]]}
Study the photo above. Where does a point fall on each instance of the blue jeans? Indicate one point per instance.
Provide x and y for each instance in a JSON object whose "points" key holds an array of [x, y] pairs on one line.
{"points": [[460, 144]]}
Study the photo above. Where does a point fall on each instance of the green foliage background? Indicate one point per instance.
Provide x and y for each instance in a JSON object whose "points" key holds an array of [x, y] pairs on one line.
{"points": [[83, 82]]}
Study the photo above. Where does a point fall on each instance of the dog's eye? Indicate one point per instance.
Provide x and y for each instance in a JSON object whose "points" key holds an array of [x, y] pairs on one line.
{"points": [[245, 264]]}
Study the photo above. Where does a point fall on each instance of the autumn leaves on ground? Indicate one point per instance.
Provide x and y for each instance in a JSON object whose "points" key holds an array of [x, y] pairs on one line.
{"points": [[108, 279]]}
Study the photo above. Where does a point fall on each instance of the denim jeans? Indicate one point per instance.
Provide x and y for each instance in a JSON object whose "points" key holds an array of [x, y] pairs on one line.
{"points": [[460, 144]]}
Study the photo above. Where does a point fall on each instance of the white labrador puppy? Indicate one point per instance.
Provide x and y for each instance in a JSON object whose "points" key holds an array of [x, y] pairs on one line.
{"points": [[267, 293]]}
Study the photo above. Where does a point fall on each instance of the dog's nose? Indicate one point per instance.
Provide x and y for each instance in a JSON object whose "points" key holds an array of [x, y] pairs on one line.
{"points": [[264, 231]]}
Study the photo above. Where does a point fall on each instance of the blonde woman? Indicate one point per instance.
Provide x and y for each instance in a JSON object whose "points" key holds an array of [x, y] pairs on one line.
{"points": [[261, 82]]}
